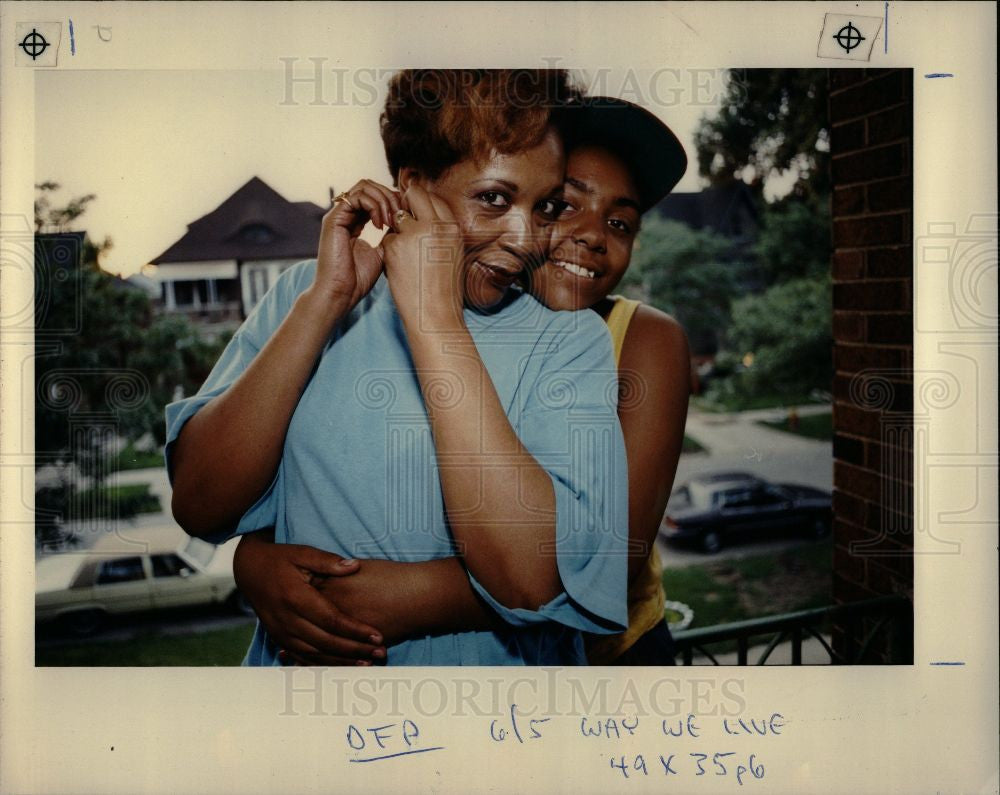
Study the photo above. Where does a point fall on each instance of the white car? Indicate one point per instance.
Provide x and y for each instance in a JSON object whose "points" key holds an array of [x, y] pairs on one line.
{"points": [[147, 570]]}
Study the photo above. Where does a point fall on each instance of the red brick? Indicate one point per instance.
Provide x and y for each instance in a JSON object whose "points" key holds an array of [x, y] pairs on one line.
{"points": [[889, 262], [872, 295], [845, 590], [849, 508], [847, 137], [848, 449], [886, 579], [893, 526], [872, 230], [891, 125], [848, 201], [841, 78], [869, 96], [891, 194], [891, 328], [855, 358], [868, 164], [848, 264], [848, 327], [857, 481], [848, 566], [857, 422], [841, 387]]}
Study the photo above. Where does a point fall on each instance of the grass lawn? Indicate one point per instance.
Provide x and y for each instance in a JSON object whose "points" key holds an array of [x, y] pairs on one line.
{"points": [[734, 590], [114, 501], [813, 426], [691, 446], [130, 458], [215, 647], [736, 403]]}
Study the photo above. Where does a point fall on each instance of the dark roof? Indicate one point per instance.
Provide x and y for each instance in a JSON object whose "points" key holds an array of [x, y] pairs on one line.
{"points": [[714, 207], [255, 223]]}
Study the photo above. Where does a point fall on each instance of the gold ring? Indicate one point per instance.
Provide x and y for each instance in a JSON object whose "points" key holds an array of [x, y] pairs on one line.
{"points": [[341, 197], [400, 215]]}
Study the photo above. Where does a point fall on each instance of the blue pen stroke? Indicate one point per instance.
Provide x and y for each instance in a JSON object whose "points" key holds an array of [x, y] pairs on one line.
{"points": [[945, 662], [940, 74], [885, 38], [401, 753], [72, 41]]}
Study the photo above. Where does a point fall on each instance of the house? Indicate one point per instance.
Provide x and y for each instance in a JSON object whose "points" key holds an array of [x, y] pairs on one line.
{"points": [[726, 209], [228, 259]]}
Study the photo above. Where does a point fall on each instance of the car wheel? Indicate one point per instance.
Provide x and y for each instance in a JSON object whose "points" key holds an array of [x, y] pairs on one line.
{"points": [[711, 542], [239, 603], [84, 622]]}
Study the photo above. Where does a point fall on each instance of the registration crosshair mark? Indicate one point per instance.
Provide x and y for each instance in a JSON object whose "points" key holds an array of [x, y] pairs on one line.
{"points": [[848, 37], [34, 44]]}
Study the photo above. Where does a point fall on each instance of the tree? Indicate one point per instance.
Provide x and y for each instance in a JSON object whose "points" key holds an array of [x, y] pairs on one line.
{"points": [[794, 240], [771, 121], [687, 273], [786, 333], [106, 363]]}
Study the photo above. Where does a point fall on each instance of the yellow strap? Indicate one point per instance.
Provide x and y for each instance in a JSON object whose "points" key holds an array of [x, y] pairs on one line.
{"points": [[645, 593], [618, 319]]}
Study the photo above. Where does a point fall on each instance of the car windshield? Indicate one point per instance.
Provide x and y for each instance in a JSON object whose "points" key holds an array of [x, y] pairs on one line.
{"points": [[198, 551], [701, 495]]}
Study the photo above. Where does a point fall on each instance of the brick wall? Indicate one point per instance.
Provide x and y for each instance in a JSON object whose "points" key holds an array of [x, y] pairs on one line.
{"points": [[871, 114]]}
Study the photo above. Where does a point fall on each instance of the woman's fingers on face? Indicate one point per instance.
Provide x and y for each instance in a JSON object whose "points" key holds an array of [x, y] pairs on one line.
{"points": [[441, 208], [418, 203], [391, 196]]}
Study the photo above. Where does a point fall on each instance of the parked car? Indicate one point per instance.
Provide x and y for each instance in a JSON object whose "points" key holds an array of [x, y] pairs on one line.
{"points": [[158, 568], [711, 509]]}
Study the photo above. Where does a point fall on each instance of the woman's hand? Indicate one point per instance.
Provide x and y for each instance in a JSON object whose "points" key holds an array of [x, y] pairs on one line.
{"points": [[276, 580], [347, 267], [423, 260]]}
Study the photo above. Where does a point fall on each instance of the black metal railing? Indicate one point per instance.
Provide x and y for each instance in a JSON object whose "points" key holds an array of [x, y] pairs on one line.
{"points": [[859, 626]]}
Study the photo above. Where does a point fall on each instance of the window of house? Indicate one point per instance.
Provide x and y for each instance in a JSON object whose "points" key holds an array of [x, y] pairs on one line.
{"points": [[227, 290], [184, 293]]}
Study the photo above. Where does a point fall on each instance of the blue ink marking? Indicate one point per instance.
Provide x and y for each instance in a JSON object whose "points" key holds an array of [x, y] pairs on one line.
{"points": [[885, 38], [401, 753], [72, 41], [513, 720], [940, 74], [947, 663]]}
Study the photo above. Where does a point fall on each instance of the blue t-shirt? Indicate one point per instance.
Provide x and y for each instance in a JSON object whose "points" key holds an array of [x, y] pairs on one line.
{"points": [[359, 474]]}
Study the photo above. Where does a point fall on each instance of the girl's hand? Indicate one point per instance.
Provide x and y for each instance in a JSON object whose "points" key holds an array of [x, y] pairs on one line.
{"points": [[423, 259], [347, 267], [276, 580]]}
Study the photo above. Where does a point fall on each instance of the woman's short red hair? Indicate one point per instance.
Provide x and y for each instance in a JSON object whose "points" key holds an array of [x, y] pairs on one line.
{"points": [[435, 118]]}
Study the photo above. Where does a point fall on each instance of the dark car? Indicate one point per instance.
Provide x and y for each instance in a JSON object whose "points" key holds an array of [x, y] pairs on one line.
{"points": [[710, 509]]}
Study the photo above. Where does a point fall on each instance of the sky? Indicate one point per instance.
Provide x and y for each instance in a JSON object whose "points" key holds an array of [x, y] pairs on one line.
{"points": [[162, 148]]}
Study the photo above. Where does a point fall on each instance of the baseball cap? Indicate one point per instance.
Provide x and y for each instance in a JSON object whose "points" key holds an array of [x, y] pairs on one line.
{"points": [[647, 146]]}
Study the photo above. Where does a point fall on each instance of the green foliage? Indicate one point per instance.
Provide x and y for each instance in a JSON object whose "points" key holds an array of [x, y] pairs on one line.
{"points": [[112, 373], [794, 240], [122, 502], [721, 592], [788, 330], [685, 273], [131, 458], [771, 120]]}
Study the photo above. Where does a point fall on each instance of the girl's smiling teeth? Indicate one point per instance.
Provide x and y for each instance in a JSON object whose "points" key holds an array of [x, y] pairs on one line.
{"points": [[573, 268]]}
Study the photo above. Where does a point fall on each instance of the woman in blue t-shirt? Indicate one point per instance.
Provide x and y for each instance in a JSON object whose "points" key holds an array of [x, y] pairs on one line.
{"points": [[436, 411]]}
